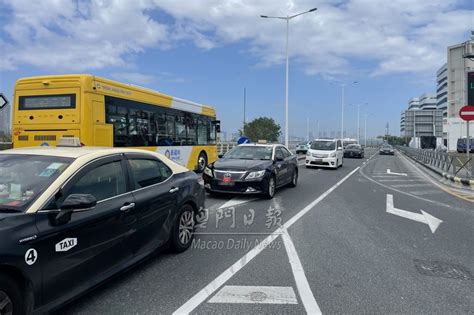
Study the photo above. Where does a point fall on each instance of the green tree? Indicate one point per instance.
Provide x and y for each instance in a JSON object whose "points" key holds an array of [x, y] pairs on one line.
{"points": [[262, 128]]}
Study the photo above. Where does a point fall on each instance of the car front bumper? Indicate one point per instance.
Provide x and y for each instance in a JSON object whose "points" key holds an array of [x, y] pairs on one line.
{"points": [[235, 187], [387, 152], [321, 162]]}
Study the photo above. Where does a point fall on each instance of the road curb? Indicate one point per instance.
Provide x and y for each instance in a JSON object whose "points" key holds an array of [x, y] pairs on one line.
{"points": [[455, 179]]}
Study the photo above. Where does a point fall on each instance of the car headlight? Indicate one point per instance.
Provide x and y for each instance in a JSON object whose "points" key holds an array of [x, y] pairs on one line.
{"points": [[332, 155], [308, 153], [208, 172], [255, 175]]}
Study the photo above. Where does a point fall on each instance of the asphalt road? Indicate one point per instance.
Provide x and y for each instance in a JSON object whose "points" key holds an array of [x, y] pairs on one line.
{"points": [[328, 245]]}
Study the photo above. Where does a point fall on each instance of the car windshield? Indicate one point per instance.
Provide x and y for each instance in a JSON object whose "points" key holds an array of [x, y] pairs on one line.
{"points": [[323, 145], [353, 146], [24, 177], [250, 153]]}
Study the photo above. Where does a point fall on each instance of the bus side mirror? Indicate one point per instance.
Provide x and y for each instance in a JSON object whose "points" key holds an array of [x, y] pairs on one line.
{"points": [[217, 123]]}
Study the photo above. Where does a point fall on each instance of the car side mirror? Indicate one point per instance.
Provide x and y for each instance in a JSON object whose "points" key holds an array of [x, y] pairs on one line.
{"points": [[279, 159], [220, 156], [74, 203], [78, 202], [339, 148]]}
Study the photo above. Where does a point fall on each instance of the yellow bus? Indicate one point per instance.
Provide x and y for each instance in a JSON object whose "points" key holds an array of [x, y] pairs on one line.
{"points": [[103, 112]]}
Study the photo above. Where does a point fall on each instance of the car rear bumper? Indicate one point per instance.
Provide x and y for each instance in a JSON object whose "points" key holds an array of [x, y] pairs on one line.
{"points": [[353, 154]]}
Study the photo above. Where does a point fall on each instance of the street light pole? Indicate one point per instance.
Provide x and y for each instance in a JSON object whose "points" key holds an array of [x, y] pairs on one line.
{"points": [[342, 114], [287, 19], [365, 131]]}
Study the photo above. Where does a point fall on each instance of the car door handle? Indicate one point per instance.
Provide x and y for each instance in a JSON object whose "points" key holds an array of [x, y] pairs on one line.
{"points": [[130, 206], [174, 189]]}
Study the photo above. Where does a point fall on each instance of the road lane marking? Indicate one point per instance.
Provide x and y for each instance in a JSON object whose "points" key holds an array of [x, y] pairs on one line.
{"points": [[424, 217], [361, 171], [425, 192], [392, 173], [400, 180], [411, 185], [306, 295], [255, 295], [236, 201], [215, 284]]}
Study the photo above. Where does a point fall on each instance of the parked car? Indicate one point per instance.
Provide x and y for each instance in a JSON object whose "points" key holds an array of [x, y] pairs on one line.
{"points": [[252, 169], [325, 153], [461, 145], [386, 149], [302, 148], [72, 217], [354, 150]]}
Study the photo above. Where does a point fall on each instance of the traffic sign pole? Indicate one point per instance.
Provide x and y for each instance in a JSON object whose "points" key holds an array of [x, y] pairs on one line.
{"points": [[467, 113]]}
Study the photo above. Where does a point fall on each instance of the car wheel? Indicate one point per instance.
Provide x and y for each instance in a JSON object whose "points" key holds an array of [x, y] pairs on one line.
{"points": [[11, 300], [183, 231], [270, 188], [201, 162], [294, 179]]}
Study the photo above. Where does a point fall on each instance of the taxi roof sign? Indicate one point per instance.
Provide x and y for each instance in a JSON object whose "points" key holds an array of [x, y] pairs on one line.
{"points": [[3, 101]]}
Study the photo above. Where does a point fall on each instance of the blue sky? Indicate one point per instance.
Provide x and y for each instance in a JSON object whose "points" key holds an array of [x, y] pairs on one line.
{"points": [[207, 51]]}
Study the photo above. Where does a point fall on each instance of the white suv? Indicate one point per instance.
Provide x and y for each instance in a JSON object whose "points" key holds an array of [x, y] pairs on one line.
{"points": [[325, 153]]}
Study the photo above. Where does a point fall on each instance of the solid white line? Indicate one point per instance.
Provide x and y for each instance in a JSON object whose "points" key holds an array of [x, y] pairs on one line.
{"points": [[255, 295], [209, 289], [306, 295]]}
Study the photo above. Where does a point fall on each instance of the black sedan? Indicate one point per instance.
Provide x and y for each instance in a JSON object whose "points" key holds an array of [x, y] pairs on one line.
{"points": [[252, 169], [354, 150], [71, 218], [386, 149]]}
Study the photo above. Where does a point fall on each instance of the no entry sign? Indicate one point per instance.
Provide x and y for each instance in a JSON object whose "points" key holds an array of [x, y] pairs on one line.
{"points": [[467, 113]]}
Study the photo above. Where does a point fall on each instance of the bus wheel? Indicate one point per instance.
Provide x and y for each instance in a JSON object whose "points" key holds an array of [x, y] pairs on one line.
{"points": [[201, 162]]}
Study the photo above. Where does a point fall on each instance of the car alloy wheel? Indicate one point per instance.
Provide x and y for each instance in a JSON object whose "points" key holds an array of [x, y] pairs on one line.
{"points": [[6, 305], [271, 187], [186, 227], [183, 230]]}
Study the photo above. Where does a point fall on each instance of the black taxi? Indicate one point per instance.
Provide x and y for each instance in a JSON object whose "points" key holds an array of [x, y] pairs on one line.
{"points": [[71, 217]]}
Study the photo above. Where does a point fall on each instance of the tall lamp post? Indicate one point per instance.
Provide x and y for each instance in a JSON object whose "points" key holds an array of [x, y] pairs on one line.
{"points": [[287, 19], [343, 86], [358, 120]]}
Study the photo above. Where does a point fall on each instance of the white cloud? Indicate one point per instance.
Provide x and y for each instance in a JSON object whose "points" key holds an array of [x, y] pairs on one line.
{"points": [[397, 36]]}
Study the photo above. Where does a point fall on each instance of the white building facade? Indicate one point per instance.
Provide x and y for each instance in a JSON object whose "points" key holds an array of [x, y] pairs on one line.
{"points": [[457, 68]]}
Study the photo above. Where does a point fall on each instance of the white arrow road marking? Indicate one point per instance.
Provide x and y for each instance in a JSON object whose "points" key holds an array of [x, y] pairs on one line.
{"points": [[399, 174], [424, 217], [255, 295]]}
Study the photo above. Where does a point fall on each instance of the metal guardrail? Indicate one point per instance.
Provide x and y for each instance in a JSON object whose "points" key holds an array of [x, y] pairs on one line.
{"points": [[449, 163]]}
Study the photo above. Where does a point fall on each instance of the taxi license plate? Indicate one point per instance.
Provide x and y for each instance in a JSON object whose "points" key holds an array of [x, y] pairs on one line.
{"points": [[227, 181]]}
